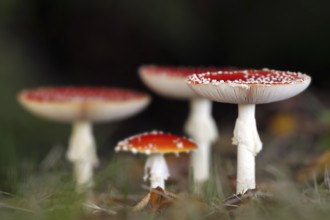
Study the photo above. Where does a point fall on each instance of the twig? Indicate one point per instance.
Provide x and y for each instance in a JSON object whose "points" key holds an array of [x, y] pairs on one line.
{"points": [[97, 209]]}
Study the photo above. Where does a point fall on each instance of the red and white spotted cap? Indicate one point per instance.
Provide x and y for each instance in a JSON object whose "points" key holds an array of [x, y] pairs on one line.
{"points": [[95, 104], [170, 81], [249, 86], [156, 142]]}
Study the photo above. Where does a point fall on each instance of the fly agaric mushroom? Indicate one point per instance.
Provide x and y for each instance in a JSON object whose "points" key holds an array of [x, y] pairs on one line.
{"points": [[155, 145], [247, 88], [170, 82], [82, 106]]}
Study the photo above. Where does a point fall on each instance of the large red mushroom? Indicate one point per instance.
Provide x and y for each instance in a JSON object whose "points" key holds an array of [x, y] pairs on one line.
{"points": [[248, 88], [82, 106]]}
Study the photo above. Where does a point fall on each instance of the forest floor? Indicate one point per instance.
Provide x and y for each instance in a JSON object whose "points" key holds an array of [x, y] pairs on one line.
{"points": [[293, 180]]}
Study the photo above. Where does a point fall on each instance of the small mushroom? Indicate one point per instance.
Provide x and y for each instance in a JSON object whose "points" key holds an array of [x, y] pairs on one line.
{"points": [[247, 88], [170, 82], [82, 106], [155, 144]]}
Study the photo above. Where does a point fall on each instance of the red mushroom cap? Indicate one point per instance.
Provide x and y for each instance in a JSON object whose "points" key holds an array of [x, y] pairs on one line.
{"points": [[249, 86], [170, 81], [156, 142], [83, 103]]}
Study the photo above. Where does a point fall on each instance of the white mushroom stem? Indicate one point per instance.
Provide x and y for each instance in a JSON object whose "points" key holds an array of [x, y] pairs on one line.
{"points": [[156, 170], [201, 162], [82, 153], [202, 128], [247, 139]]}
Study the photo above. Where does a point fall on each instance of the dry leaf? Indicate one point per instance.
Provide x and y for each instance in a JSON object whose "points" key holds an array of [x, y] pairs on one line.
{"points": [[156, 200], [283, 124]]}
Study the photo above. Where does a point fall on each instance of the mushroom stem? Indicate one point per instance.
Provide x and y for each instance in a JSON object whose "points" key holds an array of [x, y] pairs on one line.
{"points": [[202, 128], [201, 162], [247, 139], [82, 153], [156, 170]]}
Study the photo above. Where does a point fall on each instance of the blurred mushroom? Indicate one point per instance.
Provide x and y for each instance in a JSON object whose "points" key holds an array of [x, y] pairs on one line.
{"points": [[155, 145], [82, 106], [247, 88], [170, 82]]}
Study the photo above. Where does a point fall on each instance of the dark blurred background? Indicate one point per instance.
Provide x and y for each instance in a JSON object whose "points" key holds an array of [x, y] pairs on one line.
{"points": [[103, 42]]}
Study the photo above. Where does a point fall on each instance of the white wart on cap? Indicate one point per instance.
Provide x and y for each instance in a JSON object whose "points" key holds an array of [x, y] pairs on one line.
{"points": [[249, 86], [95, 104]]}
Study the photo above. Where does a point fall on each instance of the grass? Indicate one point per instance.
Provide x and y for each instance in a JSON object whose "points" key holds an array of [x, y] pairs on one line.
{"points": [[50, 195]]}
